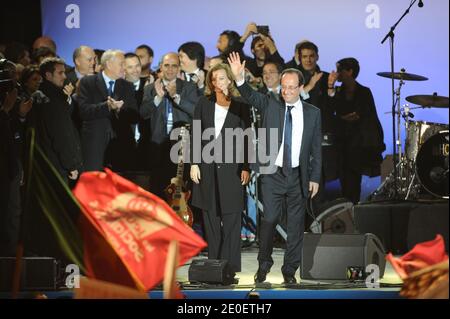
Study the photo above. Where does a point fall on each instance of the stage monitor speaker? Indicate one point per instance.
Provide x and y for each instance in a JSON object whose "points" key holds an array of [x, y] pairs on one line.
{"points": [[211, 271], [38, 273], [335, 217], [330, 256]]}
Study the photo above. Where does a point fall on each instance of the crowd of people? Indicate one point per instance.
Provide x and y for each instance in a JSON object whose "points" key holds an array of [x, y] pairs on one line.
{"points": [[111, 109]]}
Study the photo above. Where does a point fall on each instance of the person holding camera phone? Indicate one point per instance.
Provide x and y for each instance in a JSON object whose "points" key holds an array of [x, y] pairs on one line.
{"points": [[263, 48]]}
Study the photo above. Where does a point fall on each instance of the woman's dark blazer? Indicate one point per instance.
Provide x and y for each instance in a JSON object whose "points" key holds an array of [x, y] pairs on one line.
{"points": [[220, 182]]}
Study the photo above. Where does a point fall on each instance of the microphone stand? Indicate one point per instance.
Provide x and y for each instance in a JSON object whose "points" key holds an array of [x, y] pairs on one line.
{"points": [[255, 125], [391, 36]]}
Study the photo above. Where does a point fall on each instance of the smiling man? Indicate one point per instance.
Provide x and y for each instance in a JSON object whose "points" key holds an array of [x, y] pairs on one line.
{"points": [[169, 102], [297, 170], [107, 109]]}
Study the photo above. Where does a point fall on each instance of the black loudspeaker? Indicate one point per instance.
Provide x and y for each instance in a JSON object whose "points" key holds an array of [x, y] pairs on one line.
{"points": [[330, 256], [38, 273], [211, 271], [335, 217]]}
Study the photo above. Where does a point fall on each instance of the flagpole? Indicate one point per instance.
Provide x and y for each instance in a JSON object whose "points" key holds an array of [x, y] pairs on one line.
{"points": [[25, 201]]}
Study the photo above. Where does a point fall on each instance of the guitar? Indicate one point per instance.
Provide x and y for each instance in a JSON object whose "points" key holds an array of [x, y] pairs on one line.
{"points": [[176, 193]]}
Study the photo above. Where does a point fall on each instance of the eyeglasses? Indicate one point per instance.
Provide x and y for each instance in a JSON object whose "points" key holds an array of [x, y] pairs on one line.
{"points": [[269, 73], [289, 88]]}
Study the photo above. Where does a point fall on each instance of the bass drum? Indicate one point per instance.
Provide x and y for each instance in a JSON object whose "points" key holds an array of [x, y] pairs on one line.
{"points": [[418, 133], [432, 165]]}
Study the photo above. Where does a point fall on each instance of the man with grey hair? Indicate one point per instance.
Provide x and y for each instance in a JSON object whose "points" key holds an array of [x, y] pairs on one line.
{"points": [[84, 59], [108, 109]]}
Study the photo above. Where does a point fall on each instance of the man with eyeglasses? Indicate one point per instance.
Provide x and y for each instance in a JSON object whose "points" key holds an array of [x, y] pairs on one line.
{"points": [[295, 173], [271, 78], [169, 102]]}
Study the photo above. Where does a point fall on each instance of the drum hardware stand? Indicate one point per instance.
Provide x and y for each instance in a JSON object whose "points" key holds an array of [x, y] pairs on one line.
{"points": [[391, 37]]}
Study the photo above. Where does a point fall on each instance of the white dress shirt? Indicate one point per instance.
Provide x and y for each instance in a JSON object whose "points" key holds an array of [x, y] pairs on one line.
{"points": [[219, 118], [297, 134]]}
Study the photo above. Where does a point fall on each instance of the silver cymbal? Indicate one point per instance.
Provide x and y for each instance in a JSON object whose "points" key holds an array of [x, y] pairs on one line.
{"points": [[402, 76]]}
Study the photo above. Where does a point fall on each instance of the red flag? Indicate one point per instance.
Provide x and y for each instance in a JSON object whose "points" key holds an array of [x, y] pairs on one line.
{"points": [[136, 224], [421, 256]]}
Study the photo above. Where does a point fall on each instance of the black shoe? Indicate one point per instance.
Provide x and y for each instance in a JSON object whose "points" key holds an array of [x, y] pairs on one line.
{"points": [[260, 276], [289, 280]]}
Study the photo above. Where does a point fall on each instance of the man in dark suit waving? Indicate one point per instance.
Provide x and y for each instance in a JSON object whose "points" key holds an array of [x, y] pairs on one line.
{"points": [[108, 109], [293, 172]]}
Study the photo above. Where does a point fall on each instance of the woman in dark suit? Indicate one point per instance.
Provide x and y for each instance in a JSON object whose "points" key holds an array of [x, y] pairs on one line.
{"points": [[219, 182]]}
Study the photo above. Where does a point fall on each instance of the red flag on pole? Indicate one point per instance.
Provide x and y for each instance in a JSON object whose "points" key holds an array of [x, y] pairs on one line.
{"points": [[421, 256], [137, 225]]}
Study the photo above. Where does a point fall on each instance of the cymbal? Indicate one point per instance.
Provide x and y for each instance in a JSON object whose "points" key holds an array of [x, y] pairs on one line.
{"points": [[402, 76], [429, 100]]}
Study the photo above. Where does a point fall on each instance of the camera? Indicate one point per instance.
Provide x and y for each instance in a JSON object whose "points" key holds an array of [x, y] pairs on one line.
{"points": [[263, 29], [6, 82]]}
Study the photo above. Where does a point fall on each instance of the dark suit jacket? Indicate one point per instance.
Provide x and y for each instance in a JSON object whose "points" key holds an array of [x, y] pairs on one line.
{"points": [[104, 131], [292, 64], [71, 77], [274, 113], [56, 133], [181, 113], [364, 136], [222, 179]]}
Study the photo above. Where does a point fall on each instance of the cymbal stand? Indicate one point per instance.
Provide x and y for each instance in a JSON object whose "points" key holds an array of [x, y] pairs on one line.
{"points": [[391, 36]]}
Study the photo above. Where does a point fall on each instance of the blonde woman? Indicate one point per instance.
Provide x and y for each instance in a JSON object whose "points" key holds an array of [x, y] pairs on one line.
{"points": [[218, 186]]}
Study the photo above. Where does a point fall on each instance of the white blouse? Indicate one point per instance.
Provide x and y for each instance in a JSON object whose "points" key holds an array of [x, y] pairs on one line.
{"points": [[219, 118]]}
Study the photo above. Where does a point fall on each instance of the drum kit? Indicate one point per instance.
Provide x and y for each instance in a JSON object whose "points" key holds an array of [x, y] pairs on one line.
{"points": [[422, 168]]}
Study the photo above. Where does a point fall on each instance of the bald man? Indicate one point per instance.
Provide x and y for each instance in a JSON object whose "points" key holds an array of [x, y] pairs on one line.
{"points": [[169, 102], [84, 59]]}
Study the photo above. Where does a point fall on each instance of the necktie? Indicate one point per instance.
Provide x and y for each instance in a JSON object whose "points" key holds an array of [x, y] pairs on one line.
{"points": [[110, 88], [191, 75], [169, 115], [287, 147]]}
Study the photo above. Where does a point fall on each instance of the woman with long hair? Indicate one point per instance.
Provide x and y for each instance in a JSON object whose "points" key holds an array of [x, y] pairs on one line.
{"points": [[219, 181]]}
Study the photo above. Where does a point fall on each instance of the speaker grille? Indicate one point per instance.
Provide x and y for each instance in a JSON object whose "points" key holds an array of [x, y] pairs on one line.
{"points": [[328, 256]]}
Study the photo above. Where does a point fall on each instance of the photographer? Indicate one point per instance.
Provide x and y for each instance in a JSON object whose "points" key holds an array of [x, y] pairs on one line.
{"points": [[8, 170], [10, 160]]}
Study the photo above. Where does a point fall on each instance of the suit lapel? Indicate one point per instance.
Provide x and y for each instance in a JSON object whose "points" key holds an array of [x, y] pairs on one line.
{"points": [[307, 124], [210, 113], [282, 111], [179, 86], [101, 85], [230, 118]]}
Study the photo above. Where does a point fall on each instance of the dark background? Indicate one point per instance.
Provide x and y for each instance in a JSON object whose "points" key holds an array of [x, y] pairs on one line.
{"points": [[20, 21]]}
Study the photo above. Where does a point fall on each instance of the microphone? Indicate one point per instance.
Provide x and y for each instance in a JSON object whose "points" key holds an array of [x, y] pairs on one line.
{"points": [[420, 4]]}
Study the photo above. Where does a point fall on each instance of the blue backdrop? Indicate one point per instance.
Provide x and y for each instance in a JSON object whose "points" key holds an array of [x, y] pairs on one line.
{"points": [[340, 29]]}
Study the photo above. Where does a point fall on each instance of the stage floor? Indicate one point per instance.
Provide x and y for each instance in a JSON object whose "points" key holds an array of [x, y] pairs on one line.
{"points": [[273, 288]]}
